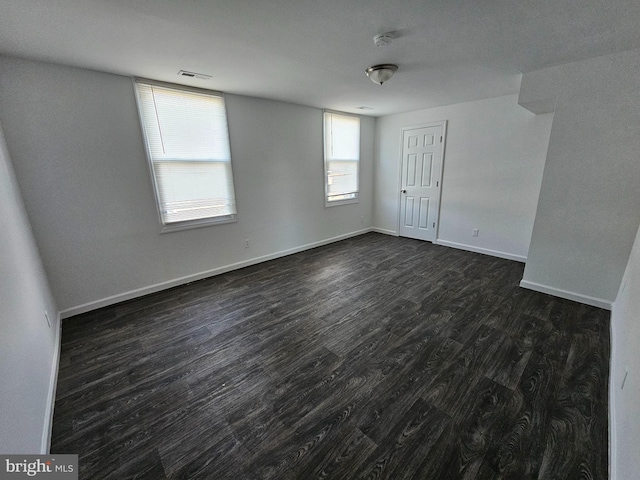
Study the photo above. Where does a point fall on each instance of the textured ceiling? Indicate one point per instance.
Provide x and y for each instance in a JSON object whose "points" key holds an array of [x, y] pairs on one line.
{"points": [[314, 52]]}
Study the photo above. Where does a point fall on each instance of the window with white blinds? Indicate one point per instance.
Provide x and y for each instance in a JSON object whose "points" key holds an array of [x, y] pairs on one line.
{"points": [[341, 158], [187, 141]]}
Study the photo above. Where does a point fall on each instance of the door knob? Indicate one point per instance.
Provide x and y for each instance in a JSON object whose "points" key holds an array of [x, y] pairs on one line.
{"points": [[403, 191]]}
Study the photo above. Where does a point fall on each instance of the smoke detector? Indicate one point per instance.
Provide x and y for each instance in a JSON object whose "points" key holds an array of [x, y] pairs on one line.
{"points": [[383, 39]]}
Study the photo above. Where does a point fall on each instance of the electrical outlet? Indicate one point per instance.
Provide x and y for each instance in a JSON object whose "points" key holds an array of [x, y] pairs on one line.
{"points": [[246, 243], [46, 316], [474, 233]]}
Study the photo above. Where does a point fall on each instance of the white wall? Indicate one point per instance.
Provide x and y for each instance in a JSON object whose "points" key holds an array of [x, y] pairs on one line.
{"points": [[625, 345], [75, 140], [28, 346], [493, 165], [589, 207]]}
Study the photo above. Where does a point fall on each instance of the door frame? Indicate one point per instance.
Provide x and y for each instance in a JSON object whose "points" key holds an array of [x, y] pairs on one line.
{"points": [[443, 124]]}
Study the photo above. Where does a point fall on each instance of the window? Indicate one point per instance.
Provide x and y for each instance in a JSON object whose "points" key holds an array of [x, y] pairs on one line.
{"points": [[341, 158], [187, 141]]}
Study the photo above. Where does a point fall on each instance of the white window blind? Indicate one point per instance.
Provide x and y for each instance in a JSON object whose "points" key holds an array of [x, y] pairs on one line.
{"points": [[187, 142], [341, 157]]}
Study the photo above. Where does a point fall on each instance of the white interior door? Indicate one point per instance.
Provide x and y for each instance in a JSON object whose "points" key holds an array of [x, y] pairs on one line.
{"points": [[420, 184]]}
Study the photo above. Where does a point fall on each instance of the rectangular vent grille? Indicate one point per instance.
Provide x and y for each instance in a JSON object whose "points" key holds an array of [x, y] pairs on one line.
{"points": [[200, 76]]}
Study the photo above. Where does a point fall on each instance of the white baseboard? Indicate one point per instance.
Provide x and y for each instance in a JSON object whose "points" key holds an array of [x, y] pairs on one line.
{"points": [[576, 297], [45, 444], [385, 231], [139, 292], [485, 251]]}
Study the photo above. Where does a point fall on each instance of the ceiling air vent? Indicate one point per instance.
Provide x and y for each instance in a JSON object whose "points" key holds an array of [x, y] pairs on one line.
{"points": [[200, 76]]}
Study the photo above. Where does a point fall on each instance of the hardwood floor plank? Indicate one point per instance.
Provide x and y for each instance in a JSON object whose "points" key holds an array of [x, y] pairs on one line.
{"points": [[495, 408], [339, 459], [298, 450], [509, 361], [471, 317], [517, 452], [407, 444], [577, 420], [216, 456], [395, 394], [455, 456]]}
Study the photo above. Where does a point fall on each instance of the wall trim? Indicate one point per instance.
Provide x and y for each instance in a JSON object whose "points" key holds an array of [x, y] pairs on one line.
{"points": [[613, 446], [558, 292], [485, 251], [384, 231], [45, 444], [157, 287]]}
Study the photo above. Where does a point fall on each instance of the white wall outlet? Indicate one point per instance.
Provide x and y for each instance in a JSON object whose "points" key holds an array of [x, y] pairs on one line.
{"points": [[246, 243], [46, 316], [474, 233]]}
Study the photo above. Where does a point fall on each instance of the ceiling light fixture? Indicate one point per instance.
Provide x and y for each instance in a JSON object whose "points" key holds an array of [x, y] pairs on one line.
{"points": [[381, 73]]}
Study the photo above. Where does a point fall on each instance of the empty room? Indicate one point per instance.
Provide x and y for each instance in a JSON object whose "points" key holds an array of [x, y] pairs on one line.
{"points": [[343, 240]]}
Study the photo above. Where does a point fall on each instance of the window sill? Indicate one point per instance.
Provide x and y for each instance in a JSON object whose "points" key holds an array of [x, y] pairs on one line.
{"points": [[201, 223], [340, 202]]}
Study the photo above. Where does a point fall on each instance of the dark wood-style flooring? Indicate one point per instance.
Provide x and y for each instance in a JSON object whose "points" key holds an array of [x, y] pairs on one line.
{"points": [[375, 357]]}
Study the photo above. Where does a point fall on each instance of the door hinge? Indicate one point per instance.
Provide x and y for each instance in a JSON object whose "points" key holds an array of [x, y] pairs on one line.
{"points": [[437, 184], [434, 224], [440, 138]]}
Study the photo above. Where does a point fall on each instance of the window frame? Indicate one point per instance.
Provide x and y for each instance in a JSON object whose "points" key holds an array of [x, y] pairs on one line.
{"points": [[185, 224], [356, 198]]}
